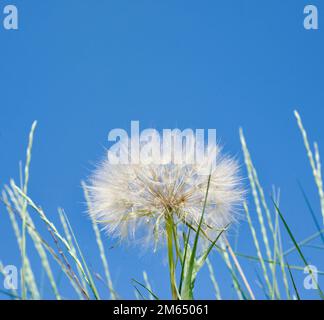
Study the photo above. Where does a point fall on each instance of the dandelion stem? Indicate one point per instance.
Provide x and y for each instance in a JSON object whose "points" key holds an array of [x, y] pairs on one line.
{"points": [[169, 233]]}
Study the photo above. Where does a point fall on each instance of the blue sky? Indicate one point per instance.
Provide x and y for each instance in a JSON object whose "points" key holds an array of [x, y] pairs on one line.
{"points": [[82, 68]]}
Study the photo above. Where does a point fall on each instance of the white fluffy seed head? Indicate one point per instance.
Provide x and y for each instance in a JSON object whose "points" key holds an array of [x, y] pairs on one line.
{"points": [[131, 200]]}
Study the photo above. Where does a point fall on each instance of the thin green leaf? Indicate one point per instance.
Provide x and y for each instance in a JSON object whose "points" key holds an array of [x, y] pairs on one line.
{"points": [[298, 248], [293, 282], [147, 289]]}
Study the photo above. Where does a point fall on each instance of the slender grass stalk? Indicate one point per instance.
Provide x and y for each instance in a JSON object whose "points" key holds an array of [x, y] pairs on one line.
{"points": [[38, 245], [137, 295], [101, 248], [147, 284], [32, 230], [25, 187], [224, 254], [304, 242], [29, 275], [315, 163], [74, 281], [257, 246], [314, 246], [239, 268], [256, 259], [273, 230], [52, 227], [65, 261], [319, 173], [257, 189], [250, 170], [275, 289], [278, 252], [282, 264], [70, 241], [213, 280], [88, 274]]}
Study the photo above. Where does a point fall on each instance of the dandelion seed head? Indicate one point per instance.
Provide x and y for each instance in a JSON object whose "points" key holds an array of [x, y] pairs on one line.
{"points": [[131, 201]]}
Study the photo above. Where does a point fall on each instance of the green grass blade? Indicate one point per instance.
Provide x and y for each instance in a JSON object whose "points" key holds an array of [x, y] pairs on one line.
{"points": [[172, 267], [281, 260], [293, 282], [139, 293], [298, 248], [205, 255], [187, 291], [147, 289], [186, 237]]}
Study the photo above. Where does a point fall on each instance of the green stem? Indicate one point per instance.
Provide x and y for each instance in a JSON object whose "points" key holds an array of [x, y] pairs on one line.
{"points": [[169, 233]]}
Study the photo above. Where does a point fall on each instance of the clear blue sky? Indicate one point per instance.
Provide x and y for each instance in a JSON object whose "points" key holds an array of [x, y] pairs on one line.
{"points": [[82, 68]]}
